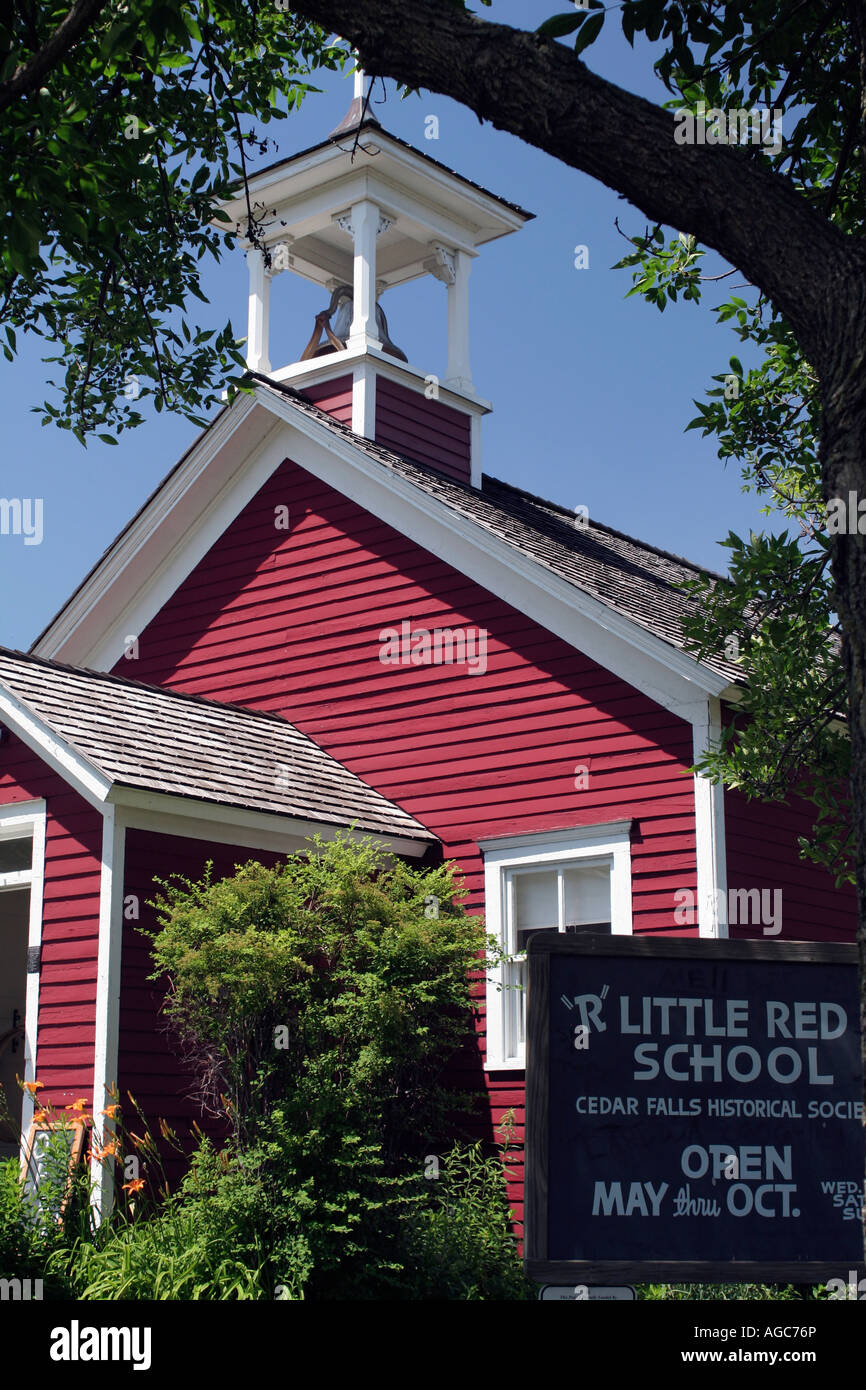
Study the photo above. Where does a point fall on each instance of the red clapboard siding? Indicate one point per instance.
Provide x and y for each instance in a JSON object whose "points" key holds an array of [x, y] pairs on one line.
{"points": [[335, 397], [290, 622], [70, 924], [761, 845], [428, 431]]}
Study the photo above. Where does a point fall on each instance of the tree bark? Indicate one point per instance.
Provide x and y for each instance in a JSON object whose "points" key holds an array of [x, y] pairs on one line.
{"points": [[539, 90], [29, 75]]}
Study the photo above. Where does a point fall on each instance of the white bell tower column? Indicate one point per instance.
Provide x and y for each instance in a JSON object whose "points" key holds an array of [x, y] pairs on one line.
{"points": [[258, 319], [364, 225], [459, 374]]}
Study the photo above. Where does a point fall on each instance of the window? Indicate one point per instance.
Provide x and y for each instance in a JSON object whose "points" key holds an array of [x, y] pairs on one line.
{"points": [[569, 881], [16, 848], [16, 856]]}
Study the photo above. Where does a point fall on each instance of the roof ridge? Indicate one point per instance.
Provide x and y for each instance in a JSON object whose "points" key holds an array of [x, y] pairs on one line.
{"points": [[382, 451], [602, 526]]}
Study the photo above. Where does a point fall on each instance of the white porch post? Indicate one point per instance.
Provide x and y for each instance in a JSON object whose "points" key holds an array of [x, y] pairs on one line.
{"points": [[459, 373], [259, 313], [107, 1002], [365, 228], [710, 847]]}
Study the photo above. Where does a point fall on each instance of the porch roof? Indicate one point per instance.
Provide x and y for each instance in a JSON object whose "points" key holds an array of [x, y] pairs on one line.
{"points": [[128, 734]]}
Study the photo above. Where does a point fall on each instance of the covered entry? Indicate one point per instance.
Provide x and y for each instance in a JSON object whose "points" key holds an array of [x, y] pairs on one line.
{"points": [[17, 827]]}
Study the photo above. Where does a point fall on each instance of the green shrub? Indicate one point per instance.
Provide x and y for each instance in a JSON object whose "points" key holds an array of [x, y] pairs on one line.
{"points": [[20, 1239], [320, 1003], [325, 984]]}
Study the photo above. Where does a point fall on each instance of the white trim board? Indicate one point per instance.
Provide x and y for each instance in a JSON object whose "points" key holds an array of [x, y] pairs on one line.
{"points": [[236, 825], [107, 1008], [59, 755], [710, 846]]}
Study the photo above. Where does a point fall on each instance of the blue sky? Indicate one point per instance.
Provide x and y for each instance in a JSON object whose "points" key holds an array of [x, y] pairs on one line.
{"points": [[591, 391]]}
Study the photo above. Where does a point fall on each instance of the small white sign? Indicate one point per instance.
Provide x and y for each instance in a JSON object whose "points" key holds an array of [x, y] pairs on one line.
{"points": [[587, 1293]]}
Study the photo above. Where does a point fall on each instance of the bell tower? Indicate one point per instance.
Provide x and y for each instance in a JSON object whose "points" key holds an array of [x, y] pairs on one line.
{"points": [[360, 214]]}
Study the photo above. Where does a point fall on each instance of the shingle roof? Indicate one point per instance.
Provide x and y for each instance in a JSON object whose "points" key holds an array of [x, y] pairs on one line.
{"points": [[142, 736], [638, 580]]}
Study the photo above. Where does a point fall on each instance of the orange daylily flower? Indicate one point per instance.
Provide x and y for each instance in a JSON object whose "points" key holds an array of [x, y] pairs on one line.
{"points": [[134, 1186], [80, 1104], [34, 1086], [41, 1117], [110, 1111]]}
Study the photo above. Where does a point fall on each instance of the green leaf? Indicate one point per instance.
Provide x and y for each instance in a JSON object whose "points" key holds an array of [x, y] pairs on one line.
{"points": [[560, 24], [589, 33]]}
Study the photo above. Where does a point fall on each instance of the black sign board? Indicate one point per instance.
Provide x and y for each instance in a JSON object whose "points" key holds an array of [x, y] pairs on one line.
{"points": [[694, 1111]]}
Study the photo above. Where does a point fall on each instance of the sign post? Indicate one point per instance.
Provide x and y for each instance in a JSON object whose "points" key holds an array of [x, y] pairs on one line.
{"points": [[694, 1111]]}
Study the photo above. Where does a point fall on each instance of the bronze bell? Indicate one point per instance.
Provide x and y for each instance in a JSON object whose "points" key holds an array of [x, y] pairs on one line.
{"points": [[336, 321]]}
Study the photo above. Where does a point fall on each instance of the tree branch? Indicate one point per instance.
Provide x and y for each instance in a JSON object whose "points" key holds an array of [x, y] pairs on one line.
{"points": [[30, 74], [538, 89]]}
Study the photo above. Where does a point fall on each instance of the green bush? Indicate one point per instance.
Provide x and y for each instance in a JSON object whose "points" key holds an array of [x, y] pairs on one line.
{"points": [[325, 983], [20, 1239], [320, 1003]]}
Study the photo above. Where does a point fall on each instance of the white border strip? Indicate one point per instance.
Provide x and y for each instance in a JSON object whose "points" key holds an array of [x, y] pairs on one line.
{"points": [[710, 849], [41, 739], [107, 1001]]}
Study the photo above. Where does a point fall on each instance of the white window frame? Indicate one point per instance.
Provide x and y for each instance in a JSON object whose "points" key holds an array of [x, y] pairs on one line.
{"points": [[549, 849], [25, 820]]}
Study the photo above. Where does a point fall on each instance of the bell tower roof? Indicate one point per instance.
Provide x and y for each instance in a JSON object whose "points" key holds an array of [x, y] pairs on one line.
{"points": [[302, 196]]}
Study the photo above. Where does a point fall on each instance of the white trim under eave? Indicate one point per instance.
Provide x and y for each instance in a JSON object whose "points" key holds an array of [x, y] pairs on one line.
{"points": [[174, 512], [192, 819], [105, 1052], [710, 848], [41, 739], [616, 643]]}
